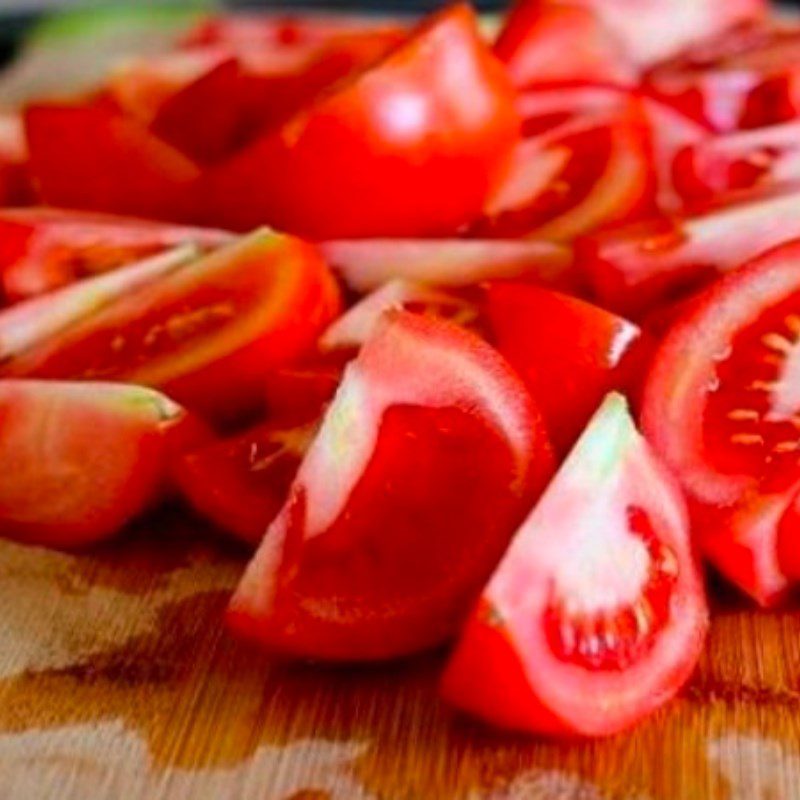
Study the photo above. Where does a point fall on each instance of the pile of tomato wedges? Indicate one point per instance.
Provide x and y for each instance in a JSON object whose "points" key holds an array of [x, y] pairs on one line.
{"points": [[482, 339]]}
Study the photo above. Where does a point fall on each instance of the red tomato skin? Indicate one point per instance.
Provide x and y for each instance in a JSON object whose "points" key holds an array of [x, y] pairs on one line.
{"points": [[570, 353], [424, 135], [88, 157]]}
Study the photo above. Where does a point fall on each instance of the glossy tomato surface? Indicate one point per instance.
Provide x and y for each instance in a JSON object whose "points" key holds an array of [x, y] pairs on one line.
{"points": [[570, 353], [82, 459], [596, 615], [383, 545], [208, 333], [410, 147], [721, 403]]}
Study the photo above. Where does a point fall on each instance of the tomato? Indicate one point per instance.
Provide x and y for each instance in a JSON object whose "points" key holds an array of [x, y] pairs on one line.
{"points": [[378, 552], [737, 161], [207, 333], [365, 265], [720, 405], [596, 615], [301, 389], [540, 43], [570, 353], [656, 29], [633, 269], [80, 460], [409, 147], [88, 157], [240, 483], [15, 186], [574, 178], [44, 249]]}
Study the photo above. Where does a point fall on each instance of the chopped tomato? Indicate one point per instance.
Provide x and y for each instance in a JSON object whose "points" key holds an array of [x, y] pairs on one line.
{"points": [[633, 269], [409, 147], [378, 552], [241, 483], [43, 249], [206, 334], [540, 43], [721, 405], [80, 460], [300, 390], [365, 265], [596, 615], [570, 353], [88, 157]]}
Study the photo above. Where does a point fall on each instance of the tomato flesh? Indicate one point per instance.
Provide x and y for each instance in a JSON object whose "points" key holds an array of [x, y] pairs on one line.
{"points": [[207, 334], [339, 574], [596, 615]]}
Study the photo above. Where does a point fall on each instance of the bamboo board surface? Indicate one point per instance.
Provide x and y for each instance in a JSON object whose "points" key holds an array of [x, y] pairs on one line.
{"points": [[118, 682]]}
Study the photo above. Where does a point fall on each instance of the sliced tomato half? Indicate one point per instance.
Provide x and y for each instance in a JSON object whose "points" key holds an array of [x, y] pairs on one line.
{"points": [[635, 268], [570, 353], [91, 158], [81, 460], [596, 615], [43, 249], [409, 147], [379, 553], [206, 334], [721, 405], [541, 43]]}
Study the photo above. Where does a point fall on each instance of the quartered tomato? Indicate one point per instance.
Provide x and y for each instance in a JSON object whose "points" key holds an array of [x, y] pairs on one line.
{"points": [[540, 43], [409, 147], [43, 249], [570, 353], [241, 483], [380, 551], [206, 334], [88, 157], [720, 165], [574, 178], [80, 460], [633, 269], [721, 405], [366, 264], [596, 615]]}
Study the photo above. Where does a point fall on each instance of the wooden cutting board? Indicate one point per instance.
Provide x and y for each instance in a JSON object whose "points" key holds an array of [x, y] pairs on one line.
{"points": [[118, 682]]}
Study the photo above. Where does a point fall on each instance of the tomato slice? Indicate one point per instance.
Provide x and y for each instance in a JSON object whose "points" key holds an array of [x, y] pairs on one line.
{"points": [[43, 249], [241, 483], [82, 459], [634, 268], [367, 264], [596, 615], [585, 173], [206, 334], [379, 553], [394, 151], [88, 157], [540, 43], [720, 405], [738, 161], [570, 353]]}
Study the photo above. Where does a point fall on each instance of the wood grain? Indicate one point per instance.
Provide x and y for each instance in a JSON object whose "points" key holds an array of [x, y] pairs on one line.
{"points": [[118, 682]]}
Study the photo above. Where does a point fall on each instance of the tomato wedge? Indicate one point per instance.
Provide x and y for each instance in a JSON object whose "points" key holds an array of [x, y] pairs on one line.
{"points": [[91, 158], [206, 334], [409, 147], [83, 459], [721, 405], [596, 615], [634, 268], [541, 43], [241, 483], [367, 264], [379, 553], [43, 249], [570, 353]]}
